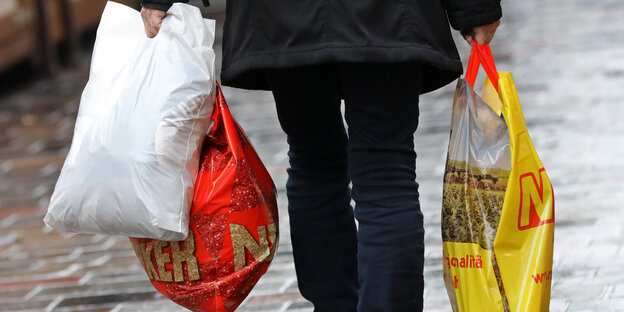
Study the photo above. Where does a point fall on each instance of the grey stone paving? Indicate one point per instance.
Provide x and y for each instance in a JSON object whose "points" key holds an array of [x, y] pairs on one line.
{"points": [[567, 57]]}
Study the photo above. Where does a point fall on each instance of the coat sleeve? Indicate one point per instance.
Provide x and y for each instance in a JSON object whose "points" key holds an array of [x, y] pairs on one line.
{"points": [[466, 14], [164, 5]]}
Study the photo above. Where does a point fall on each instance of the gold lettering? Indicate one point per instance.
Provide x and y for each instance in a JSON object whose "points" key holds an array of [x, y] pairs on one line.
{"points": [[187, 256], [242, 239], [146, 259], [273, 237], [161, 259]]}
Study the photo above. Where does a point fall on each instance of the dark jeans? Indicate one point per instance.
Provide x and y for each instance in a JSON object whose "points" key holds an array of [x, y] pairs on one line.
{"points": [[378, 267]]}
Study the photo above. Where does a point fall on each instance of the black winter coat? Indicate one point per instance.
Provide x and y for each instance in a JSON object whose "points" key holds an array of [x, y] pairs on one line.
{"points": [[261, 34]]}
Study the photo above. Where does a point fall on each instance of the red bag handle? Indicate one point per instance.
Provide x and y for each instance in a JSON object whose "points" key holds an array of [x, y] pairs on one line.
{"points": [[481, 55], [223, 118]]}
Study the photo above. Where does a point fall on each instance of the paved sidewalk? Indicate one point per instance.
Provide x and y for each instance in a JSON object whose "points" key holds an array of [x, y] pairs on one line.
{"points": [[567, 57]]}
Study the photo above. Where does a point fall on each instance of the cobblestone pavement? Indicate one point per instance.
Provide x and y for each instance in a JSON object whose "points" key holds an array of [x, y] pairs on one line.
{"points": [[567, 57]]}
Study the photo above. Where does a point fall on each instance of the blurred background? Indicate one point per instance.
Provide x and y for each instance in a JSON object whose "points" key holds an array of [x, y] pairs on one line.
{"points": [[567, 58]]}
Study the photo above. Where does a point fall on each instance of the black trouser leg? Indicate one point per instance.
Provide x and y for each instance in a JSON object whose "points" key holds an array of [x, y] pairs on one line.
{"points": [[382, 114], [322, 226]]}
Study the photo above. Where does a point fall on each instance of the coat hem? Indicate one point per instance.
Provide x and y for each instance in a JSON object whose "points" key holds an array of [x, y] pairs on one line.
{"points": [[248, 72]]}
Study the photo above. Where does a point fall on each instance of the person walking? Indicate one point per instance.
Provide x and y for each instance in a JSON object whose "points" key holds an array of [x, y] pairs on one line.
{"points": [[378, 56]]}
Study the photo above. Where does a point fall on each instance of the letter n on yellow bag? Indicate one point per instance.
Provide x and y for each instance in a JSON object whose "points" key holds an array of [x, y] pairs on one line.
{"points": [[498, 203]]}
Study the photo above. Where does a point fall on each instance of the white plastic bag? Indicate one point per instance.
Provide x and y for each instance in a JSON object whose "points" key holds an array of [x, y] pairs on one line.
{"points": [[143, 115]]}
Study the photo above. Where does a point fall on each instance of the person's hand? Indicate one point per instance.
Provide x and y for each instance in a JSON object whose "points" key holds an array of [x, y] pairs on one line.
{"points": [[483, 34], [152, 19]]}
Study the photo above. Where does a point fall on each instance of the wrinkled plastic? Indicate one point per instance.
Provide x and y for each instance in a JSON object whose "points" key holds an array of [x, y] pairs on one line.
{"points": [[498, 203], [233, 226], [143, 115]]}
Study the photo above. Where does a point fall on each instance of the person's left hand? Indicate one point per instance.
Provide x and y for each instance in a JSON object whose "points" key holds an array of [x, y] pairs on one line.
{"points": [[152, 19], [483, 34]]}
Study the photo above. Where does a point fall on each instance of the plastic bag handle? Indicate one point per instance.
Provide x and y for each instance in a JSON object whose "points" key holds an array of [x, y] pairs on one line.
{"points": [[481, 55]]}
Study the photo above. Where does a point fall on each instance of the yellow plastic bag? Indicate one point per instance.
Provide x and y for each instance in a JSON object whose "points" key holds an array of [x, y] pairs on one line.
{"points": [[498, 203]]}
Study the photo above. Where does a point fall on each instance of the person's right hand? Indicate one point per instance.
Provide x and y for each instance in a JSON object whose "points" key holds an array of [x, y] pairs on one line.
{"points": [[152, 19]]}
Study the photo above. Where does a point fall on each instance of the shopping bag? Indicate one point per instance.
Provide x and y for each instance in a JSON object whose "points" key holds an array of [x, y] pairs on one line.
{"points": [[142, 118], [498, 203], [233, 226]]}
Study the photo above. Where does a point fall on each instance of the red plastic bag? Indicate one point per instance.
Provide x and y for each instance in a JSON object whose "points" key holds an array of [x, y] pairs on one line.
{"points": [[233, 226]]}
